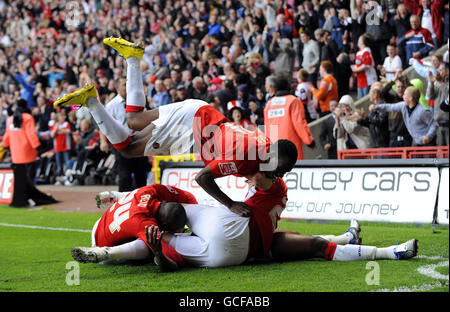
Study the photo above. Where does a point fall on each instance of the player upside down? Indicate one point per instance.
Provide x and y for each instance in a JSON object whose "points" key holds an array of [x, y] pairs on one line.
{"points": [[219, 237], [175, 128]]}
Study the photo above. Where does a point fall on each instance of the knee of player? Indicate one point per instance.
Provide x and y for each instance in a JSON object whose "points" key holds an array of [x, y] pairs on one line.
{"points": [[134, 122], [318, 244]]}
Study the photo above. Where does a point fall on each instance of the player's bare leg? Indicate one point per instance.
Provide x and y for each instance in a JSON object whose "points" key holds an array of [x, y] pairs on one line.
{"points": [[137, 118], [351, 236]]}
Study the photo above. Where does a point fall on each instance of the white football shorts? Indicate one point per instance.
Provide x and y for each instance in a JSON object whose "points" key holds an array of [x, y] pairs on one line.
{"points": [[173, 132], [219, 237]]}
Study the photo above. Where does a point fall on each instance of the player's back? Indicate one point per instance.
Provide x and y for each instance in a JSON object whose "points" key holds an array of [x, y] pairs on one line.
{"points": [[122, 221], [125, 220], [233, 149]]}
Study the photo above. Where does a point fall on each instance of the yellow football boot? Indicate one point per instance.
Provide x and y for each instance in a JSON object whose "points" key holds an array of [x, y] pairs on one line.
{"points": [[125, 48], [78, 97]]}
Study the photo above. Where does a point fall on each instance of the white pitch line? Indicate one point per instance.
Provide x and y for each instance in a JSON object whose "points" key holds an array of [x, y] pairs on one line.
{"points": [[44, 228], [427, 270], [430, 270], [415, 288]]}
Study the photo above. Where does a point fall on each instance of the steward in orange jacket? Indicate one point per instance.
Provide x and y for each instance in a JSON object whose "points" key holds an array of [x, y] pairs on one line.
{"points": [[21, 139], [284, 118]]}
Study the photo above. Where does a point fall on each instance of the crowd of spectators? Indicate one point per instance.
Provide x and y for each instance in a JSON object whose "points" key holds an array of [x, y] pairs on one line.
{"points": [[224, 52]]}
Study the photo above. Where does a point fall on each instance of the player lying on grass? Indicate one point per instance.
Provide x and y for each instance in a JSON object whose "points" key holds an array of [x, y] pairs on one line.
{"points": [[124, 224], [261, 225], [173, 129], [222, 238]]}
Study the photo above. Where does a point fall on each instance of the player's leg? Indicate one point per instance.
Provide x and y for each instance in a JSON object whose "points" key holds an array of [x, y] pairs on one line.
{"points": [[291, 246], [351, 236], [117, 134], [137, 118], [135, 250]]}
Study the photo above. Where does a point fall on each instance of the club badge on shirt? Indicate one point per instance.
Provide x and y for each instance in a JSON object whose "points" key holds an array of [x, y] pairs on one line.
{"points": [[228, 168], [144, 200]]}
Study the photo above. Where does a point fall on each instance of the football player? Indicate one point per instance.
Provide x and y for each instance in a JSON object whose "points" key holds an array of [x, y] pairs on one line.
{"points": [[175, 128], [222, 238], [120, 234]]}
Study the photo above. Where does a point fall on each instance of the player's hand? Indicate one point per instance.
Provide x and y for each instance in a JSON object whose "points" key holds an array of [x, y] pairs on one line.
{"points": [[241, 209], [425, 140], [431, 76], [104, 146], [372, 108], [154, 236]]}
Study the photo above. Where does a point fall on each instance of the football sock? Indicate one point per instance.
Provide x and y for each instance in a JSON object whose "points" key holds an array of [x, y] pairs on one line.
{"points": [[135, 250], [358, 252], [135, 87], [343, 239], [116, 133]]}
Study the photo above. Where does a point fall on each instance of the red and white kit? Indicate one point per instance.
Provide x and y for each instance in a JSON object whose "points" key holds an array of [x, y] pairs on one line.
{"points": [[127, 218]]}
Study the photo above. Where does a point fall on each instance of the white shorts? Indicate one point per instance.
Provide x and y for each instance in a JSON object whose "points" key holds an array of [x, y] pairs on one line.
{"points": [[220, 237], [94, 229], [173, 132]]}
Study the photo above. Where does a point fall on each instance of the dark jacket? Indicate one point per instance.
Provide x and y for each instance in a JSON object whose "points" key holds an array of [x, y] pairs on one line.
{"points": [[328, 137], [377, 122]]}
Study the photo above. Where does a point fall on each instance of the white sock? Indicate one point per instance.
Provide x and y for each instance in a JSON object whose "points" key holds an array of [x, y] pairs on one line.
{"points": [[135, 250], [135, 87], [359, 252], [343, 239], [386, 253], [116, 133]]}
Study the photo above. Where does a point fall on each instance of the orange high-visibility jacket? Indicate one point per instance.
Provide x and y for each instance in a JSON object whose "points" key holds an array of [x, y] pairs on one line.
{"points": [[23, 141], [328, 90], [284, 118]]}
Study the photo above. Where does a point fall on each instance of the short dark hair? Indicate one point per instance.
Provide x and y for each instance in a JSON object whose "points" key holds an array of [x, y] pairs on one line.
{"points": [[171, 216], [287, 150], [282, 83]]}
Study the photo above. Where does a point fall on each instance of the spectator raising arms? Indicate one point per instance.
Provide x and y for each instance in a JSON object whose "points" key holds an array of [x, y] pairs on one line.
{"points": [[418, 119]]}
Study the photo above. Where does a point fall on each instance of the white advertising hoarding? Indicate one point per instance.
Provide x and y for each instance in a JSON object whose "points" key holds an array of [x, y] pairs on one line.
{"points": [[443, 199], [368, 194]]}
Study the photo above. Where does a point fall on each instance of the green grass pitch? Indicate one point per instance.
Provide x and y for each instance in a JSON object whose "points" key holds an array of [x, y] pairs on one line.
{"points": [[35, 259]]}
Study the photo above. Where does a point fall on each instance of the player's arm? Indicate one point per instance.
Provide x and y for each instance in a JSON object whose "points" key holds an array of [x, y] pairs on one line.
{"points": [[205, 179], [154, 237]]}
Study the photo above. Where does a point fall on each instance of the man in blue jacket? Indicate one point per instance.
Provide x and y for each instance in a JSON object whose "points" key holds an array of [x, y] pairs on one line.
{"points": [[418, 120]]}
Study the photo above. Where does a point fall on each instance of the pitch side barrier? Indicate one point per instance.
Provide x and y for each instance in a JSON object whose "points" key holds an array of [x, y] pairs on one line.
{"points": [[380, 190]]}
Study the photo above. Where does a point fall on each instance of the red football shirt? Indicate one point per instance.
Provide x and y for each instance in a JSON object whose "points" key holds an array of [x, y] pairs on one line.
{"points": [[126, 219], [62, 141], [267, 207], [228, 148], [369, 76]]}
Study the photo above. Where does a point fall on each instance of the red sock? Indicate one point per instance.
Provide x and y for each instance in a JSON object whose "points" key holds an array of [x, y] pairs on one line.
{"points": [[122, 145], [131, 108], [329, 251]]}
